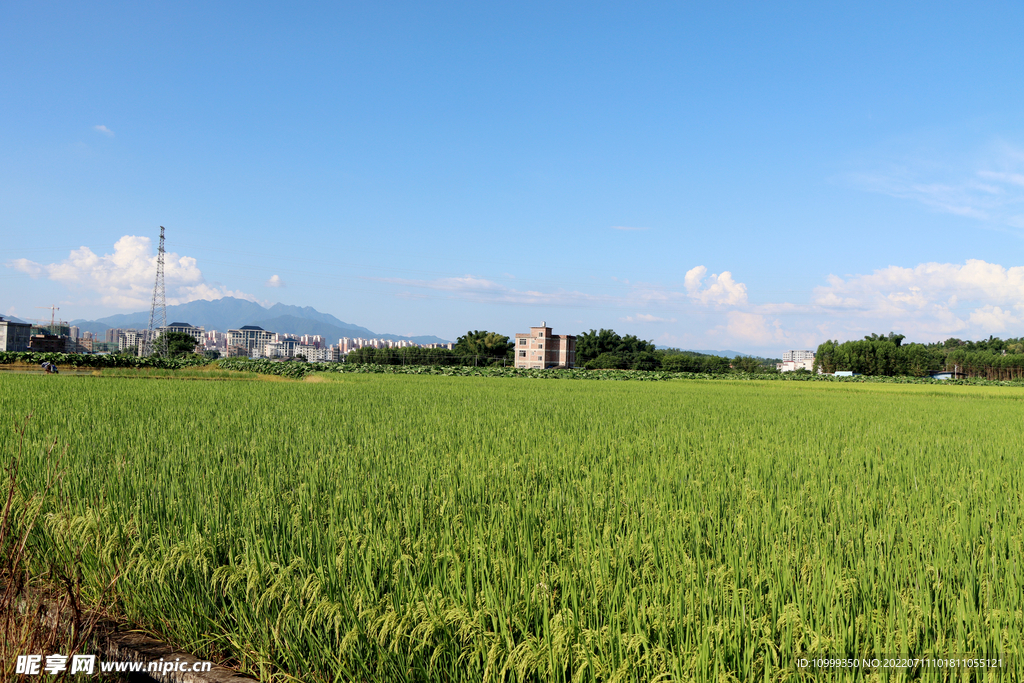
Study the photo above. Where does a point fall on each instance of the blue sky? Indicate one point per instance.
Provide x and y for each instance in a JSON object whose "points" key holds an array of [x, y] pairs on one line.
{"points": [[704, 175]]}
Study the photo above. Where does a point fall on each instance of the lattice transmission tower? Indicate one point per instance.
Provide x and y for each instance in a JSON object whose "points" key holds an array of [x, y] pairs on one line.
{"points": [[158, 312]]}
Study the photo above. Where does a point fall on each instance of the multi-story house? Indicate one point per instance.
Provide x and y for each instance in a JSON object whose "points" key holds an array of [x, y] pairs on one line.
{"points": [[541, 349], [14, 335]]}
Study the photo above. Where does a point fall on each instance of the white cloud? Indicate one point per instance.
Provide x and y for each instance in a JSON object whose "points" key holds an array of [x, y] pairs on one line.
{"points": [[275, 281], [926, 283], [623, 227], [753, 328], [646, 318], [931, 298], [990, 190], [103, 129], [1009, 178], [125, 278], [473, 288], [720, 289], [30, 268], [992, 318]]}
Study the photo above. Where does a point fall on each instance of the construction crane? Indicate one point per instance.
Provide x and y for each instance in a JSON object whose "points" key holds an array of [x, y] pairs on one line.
{"points": [[54, 321], [53, 312]]}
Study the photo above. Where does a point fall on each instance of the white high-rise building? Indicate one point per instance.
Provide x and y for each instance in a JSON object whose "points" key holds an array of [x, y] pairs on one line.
{"points": [[796, 360], [250, 339]]}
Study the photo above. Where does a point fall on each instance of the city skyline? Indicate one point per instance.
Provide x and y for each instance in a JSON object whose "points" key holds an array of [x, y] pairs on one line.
{"points": [[759, 179]]}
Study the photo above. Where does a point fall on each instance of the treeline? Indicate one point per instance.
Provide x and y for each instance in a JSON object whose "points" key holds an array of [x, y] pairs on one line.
{"points": [[887, 355], [595, 350], [477, 348], [606, 350]]}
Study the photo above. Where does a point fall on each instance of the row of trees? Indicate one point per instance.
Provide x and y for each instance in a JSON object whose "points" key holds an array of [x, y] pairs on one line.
{"points": [[876, 357], [595, 350], [478, 347], [606, 350], [878, 354]]}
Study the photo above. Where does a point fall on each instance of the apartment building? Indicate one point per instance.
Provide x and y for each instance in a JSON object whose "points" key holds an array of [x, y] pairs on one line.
{"points": [[796, 360], [14, 335], [314, 354], [130, 339], [274, 349], [250, 338], [196, 333], [540, 349]]}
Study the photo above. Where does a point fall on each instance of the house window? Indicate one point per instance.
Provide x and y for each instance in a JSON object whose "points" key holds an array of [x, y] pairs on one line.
{"points": [[540, 346], [522, 354], [522, 342]]}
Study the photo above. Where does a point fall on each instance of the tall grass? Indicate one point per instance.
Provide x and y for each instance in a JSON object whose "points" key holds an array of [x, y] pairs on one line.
{"points": [[432, 528], [33, 621]]}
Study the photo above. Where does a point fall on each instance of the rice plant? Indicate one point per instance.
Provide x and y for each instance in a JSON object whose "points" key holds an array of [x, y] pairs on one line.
{"points": [[421, 528]]}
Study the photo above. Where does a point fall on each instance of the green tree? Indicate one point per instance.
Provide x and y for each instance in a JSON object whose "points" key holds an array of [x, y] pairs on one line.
{"points": [[483, 346], [747, 364], [590, 345], [681, 362], [714, 365], [886, 355], [919, 361], [646, 360], [178, 344], [607, 361], [896, 339]]}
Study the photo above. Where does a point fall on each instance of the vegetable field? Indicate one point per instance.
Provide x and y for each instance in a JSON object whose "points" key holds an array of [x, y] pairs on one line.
{"points": [[374, 527]]}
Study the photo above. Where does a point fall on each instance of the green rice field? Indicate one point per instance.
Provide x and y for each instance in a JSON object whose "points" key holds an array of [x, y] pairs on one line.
{"points": [[424, 528]]}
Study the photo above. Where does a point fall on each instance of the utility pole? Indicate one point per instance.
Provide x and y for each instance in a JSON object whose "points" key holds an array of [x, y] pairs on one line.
{"points": [[158, 311]]}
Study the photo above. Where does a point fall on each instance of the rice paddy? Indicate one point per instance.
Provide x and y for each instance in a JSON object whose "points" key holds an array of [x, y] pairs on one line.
{"points": [[421, 528]]}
